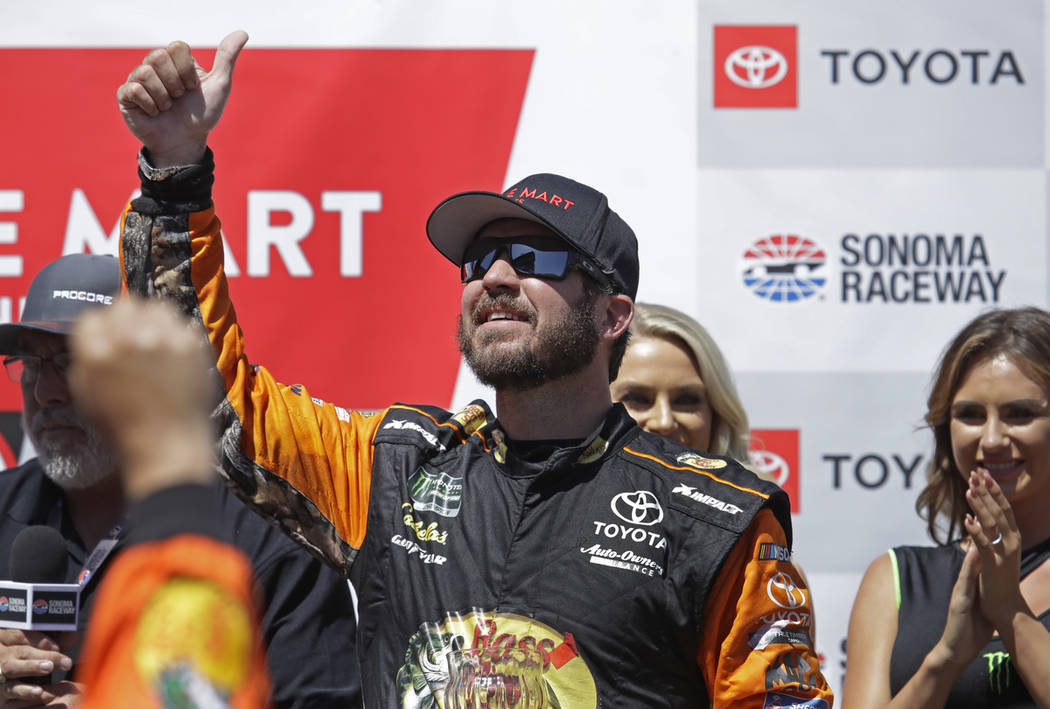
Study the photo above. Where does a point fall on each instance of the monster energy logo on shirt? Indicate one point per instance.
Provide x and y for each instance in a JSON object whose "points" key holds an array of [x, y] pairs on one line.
{"points": [[436, 491], [998, 670]]}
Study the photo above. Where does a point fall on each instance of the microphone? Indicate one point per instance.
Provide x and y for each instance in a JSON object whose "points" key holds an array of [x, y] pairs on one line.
{"points": [[36, 598], [38, 555]]}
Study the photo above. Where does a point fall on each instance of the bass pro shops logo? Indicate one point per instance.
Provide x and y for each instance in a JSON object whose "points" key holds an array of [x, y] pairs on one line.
{"points": [[424, 681], [755, 66], [784, 268]]}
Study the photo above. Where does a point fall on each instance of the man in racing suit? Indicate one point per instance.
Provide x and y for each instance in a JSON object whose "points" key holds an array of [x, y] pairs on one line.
{"points": [[643, 573]]}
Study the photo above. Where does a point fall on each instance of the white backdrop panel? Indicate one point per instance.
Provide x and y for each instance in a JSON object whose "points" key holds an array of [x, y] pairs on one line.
{"points": [[952, 83], [899, 261]]}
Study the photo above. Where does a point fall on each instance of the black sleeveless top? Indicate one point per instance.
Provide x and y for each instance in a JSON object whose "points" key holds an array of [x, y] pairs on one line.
{"points": [[925, 577]]}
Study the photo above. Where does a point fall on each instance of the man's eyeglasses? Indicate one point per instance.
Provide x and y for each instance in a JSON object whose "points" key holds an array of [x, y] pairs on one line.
{"points": [[29, 366], [528, 256]]}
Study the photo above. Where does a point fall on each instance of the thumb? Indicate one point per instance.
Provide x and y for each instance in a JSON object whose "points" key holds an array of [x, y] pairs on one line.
{"points": [[226, 54]]}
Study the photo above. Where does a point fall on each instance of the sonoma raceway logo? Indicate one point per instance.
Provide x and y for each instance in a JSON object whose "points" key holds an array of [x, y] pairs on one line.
{"points": [[784, 268], [875, 268]]}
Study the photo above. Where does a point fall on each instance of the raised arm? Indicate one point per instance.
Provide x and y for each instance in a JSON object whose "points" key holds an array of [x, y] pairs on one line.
{"points": [[146, 644], [299, 461]]}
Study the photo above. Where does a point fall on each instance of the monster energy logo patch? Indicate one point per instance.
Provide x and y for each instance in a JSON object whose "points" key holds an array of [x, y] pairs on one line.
{"points": [[998, 671], [436, 491]]}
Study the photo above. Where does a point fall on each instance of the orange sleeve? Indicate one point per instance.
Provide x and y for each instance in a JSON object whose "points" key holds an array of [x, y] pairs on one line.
{"points": [[757, 641], [174, 624], [301, 461]]}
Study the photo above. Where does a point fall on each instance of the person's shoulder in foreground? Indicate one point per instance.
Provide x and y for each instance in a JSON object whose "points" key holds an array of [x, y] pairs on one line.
{"points": [[175, 622]]}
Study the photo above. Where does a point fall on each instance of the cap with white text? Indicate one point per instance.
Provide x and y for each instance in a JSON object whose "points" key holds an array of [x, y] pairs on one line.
{"points": [[60, 292], [577, 213]]}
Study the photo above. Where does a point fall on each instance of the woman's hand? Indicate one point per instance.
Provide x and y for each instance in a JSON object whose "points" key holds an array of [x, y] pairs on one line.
{"points": [[966, 630], [994, 532]]}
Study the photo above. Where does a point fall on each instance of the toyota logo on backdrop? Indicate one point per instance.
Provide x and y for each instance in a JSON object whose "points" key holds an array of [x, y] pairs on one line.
{"points": [[639, 507], [770, 464], [774, 451], [755, 66]]}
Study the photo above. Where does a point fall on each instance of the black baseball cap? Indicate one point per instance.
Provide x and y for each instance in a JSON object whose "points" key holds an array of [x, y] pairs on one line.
{"points": [[577, 213], [61, 291]]}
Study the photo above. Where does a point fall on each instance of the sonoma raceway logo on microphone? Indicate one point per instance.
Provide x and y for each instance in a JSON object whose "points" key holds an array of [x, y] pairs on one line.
{"points": [[904, 268]]}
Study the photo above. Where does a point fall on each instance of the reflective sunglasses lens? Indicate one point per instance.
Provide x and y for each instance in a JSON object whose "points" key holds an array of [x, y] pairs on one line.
{"points": [[547, 261], [550, 262], [474, 266]]}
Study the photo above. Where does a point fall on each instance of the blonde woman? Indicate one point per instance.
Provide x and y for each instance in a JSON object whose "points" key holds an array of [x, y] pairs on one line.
{"points": [[675, 382]]}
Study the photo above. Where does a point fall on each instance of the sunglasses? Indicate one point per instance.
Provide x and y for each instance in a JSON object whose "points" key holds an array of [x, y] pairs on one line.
{"points": [[528, 256]]}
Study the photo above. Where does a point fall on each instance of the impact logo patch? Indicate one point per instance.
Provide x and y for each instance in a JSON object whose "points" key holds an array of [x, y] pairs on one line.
{"points": [[403, 425], [693, 494], [700, 462], [436, 491]]}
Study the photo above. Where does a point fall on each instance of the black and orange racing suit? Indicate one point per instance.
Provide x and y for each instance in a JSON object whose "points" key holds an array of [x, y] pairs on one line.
{"points": [[644, 574]]}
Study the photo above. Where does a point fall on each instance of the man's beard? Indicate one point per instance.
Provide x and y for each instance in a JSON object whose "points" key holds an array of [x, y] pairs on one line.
{"points": [[72, 465], [561, 349]]}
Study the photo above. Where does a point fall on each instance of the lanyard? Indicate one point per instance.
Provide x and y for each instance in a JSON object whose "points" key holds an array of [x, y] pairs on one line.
{"points": [[101, 551]]}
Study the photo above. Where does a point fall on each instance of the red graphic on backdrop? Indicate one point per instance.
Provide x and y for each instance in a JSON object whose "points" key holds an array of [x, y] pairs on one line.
{"points": [[775, 453], [328, 163], [755, 66]]}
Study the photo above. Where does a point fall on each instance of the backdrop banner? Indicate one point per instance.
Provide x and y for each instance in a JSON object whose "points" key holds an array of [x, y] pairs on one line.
{"points": [[832, 188]]}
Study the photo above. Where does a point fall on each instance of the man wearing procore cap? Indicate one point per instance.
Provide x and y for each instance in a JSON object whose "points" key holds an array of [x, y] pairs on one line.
{"points": [[73, 487], [633, 571]]}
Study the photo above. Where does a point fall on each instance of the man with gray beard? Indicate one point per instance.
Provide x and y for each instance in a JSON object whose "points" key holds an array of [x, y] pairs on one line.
{"points": [[73, 487]]}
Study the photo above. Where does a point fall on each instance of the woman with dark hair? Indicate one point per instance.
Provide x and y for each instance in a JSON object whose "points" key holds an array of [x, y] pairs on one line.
{"points": [[965, 623]]}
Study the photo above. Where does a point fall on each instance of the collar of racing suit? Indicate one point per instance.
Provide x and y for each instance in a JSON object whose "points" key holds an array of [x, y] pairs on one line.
{"points": [[615, 429]]}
